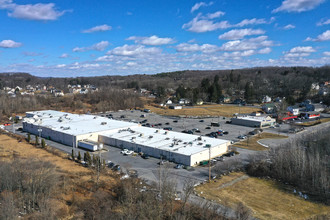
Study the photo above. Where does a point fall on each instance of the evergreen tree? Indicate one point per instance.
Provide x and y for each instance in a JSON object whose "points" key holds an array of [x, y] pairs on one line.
{"points": [[37, 140], [79, 156], [43, 143], [89, 159], [72, 155], [85, 157], [29, 138]]}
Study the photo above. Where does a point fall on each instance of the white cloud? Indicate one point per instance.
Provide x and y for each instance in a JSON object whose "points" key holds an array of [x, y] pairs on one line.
{"points": [[237, 34], [299, 52], [205, 48], [64, 55], [265, 50], [323, 22], [252, 21], [298, 5], [215, 15], [206, 23], [99, 28], [247, 44], [200, 4], [10, 44], [153, 40], [201, 24], [325, 36], [326, 53], [134, 50], [289, 26], [60, 65], [39, 11], [98, 46]]}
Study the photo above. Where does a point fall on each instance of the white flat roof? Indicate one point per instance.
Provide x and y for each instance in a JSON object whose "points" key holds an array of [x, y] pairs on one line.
{"points": [[171, 141], [254, 118], [75, 124]]}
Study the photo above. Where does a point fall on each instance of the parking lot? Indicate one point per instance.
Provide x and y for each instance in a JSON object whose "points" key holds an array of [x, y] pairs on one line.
{"points": [[202, 126]]}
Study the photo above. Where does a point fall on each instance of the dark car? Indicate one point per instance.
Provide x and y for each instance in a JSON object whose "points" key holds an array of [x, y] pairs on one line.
{"points": [[228, 122], [116, 168], [225, 132], [208, 128], [201, 120], [122, 116], [167, 123], [145, 156], [111, 165], [168, 128], [175, 121]]}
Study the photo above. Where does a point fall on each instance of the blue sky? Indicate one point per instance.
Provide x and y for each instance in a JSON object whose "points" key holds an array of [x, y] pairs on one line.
{"points": [[104, 37]]}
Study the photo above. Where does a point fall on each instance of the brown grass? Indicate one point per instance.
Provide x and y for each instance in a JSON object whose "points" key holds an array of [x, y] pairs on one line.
{"points": [[316, 122], [267, 199], [78, 180], [252, 144], [204, 110]]}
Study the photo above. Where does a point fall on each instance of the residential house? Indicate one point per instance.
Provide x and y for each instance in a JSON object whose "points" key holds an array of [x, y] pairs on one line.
{"points": [[269, 108], [266, 99]]}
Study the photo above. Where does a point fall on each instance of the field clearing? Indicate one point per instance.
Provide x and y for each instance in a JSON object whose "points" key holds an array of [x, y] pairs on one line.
{"points": [[266, 199], [252, 142], [204, 110], [312, 123], [76, 178]]}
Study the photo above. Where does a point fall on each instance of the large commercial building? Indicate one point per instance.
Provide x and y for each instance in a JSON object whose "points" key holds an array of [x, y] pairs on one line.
{"points": [[79, 130], [254, 121]]}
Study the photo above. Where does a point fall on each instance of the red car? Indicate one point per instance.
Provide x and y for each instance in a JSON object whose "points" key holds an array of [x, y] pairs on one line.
{"points": [[6, 124]]}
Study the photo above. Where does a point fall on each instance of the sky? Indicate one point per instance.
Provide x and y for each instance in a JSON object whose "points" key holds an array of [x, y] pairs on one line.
{"points": [[105, 37]]}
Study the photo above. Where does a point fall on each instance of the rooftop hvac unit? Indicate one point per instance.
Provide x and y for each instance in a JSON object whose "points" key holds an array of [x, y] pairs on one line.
{"points": [[208, 145], [166, 132], [94, 117], [151, 136], [133, 138], [66, 128], [156, 131], [200, 143], [199, 138], [103, 123], [141, 135], [167, 138]]}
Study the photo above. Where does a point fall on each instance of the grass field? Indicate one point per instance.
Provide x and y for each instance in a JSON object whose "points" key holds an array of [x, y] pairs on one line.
{"points": [[252, 142], [204, 110], [75, 178], [266, 199], [312, 123]]}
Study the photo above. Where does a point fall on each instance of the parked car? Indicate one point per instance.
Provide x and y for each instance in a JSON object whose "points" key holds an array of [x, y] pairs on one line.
{"points": [[168, 128], [128, 152], [201, 120], [225, 132], [145, 156], [116, 168], [228, 122], [175, 121], [241, 137], [208, 128], [167, 123], [122, 116], [124, 151], [178, 166], [111, 165]]}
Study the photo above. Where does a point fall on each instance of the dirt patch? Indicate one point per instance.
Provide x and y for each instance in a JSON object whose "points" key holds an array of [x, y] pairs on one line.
{"points": [[204, 110]]}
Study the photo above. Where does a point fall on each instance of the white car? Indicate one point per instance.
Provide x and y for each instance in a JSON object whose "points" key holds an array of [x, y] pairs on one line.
{"points": [[124, 151], [128, 152]]}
